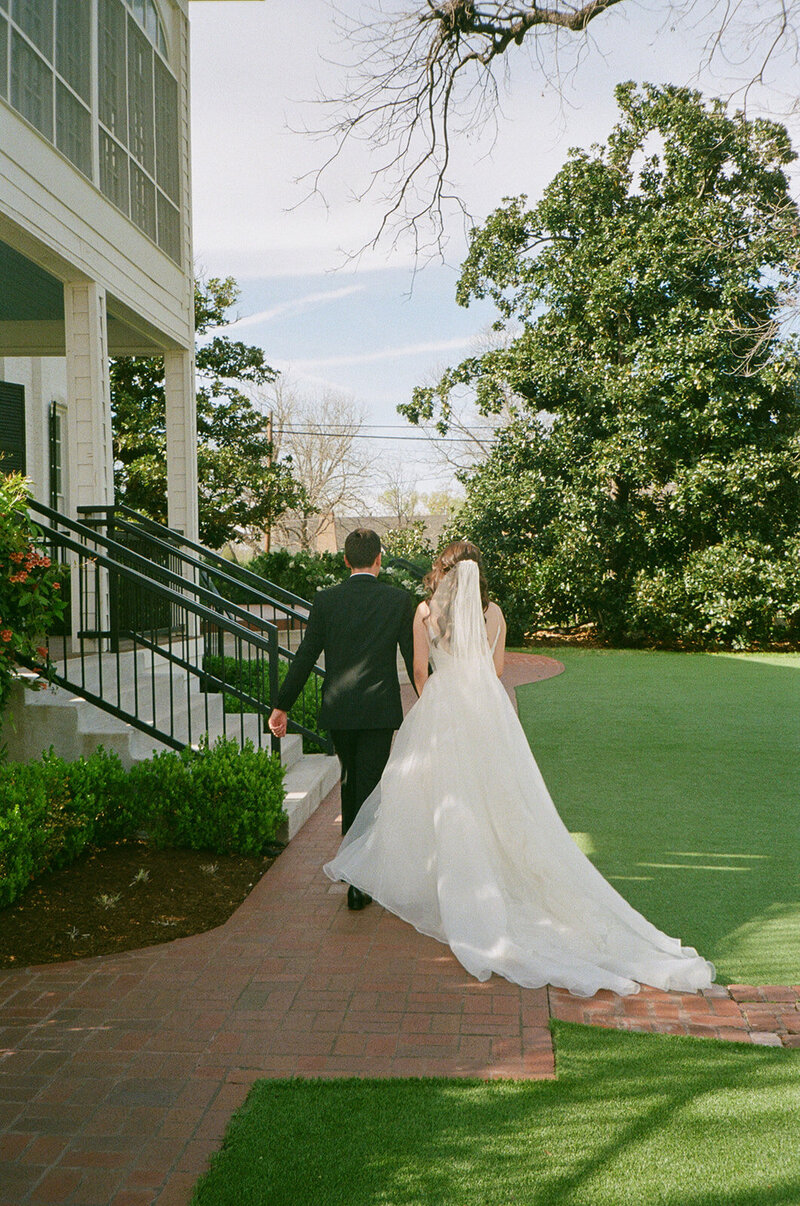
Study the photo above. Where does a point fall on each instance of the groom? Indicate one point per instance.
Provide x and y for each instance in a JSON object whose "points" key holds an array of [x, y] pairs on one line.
{"points": [[358, 625]]}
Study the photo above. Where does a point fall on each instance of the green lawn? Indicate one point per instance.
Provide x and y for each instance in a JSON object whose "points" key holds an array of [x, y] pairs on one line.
{"points": [[632, 1119], [679, 774]]}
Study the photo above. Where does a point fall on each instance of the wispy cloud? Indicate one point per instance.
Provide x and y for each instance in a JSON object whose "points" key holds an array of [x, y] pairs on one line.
{"points": [[296, 306], [411, 349]]}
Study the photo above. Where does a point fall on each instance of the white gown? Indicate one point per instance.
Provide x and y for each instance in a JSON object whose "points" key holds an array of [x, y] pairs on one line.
{"points": [[462, 840]]}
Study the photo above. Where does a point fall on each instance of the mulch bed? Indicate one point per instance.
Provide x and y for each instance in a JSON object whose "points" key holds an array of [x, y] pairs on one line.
{"points": [[123, 897]]}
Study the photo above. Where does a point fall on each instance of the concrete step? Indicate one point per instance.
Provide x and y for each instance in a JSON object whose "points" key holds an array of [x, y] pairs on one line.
{"points": [[307, 784]]}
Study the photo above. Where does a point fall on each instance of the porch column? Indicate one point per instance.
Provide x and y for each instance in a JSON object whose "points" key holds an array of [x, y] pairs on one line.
{"points": [[179, 392], [89, 393]]}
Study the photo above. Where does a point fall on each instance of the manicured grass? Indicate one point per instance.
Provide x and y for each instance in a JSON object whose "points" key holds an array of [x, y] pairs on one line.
{"points": [[679, 774], [631, 1119]]}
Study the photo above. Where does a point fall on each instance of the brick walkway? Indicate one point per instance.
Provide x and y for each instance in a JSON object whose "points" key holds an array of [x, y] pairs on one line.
{"points": [[118, 1075]]}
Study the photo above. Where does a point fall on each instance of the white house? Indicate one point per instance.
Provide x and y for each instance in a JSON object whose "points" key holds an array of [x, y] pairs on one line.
{"points": [[95, 237]]}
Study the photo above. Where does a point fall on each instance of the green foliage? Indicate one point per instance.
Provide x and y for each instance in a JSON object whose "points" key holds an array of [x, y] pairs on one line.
{"points": [[32, 597], [239, 485], [217, 798], [409, 542], [656, 401], [305, 573], [301, 573], [252, 678], [52, 809]]}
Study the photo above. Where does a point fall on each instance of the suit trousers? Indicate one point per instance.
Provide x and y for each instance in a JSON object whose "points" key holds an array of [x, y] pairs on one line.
{"points": [[363, 753]]}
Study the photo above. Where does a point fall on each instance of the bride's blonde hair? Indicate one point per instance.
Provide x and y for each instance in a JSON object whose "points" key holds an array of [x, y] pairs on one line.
{"points": [[459, 550]]}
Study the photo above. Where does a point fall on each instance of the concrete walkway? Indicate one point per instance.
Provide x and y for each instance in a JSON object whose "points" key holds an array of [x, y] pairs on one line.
{"points": [[118, 1075]]}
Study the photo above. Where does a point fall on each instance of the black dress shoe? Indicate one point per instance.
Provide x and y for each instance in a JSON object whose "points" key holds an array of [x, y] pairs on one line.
{"points": [[357, 900]]}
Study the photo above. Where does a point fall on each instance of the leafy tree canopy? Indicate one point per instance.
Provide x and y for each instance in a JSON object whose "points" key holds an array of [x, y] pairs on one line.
{"points": [[241, 487], [657, 415]]}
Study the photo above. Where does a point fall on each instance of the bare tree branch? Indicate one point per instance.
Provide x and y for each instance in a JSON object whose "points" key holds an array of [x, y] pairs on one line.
{"points": [[319, 433], [419, 77]]}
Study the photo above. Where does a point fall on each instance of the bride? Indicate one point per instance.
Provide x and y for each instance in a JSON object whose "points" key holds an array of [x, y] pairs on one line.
{"points": [[461, 839]]}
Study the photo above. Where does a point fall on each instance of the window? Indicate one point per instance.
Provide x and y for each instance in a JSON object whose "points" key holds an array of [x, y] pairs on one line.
{"points": [[143, 201], [141, 134], [12, 428], [113, 99], [57, 475], [35, 18], [73, 42], [3, 55], [73, 129], [130, 128], [169, 228], [31, 86], [166, 89], [114, 172]]}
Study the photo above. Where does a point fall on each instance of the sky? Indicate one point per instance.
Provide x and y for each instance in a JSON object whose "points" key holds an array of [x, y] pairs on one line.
{"points": [[375, 327]]}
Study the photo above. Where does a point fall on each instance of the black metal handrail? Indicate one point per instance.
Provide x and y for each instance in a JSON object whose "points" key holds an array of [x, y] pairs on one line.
{"points": [[201, 644], [230, 571]]}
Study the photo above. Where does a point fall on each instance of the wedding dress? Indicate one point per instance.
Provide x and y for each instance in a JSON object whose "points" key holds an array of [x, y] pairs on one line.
{"points": [[462, 839]]}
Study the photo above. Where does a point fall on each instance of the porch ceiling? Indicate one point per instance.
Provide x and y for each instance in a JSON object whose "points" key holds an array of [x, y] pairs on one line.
{"points": [[32, 314]]}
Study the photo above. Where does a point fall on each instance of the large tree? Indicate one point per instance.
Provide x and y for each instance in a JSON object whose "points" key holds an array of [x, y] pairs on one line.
{"points": [[652, 474], [243, 487]]}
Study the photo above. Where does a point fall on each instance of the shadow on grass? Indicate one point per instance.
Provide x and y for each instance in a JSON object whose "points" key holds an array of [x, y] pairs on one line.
{"points": [[631, 1119]]}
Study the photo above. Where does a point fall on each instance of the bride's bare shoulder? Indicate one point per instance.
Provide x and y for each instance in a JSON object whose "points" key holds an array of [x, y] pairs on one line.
{"points": [[494, 612], [423, 611]]}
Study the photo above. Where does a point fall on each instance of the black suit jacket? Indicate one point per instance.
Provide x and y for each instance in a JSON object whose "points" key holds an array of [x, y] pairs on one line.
{"points": [[358, 625]]}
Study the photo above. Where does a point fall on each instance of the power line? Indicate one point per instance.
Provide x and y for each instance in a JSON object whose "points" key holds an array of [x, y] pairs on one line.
{"points": [[358, 436]]}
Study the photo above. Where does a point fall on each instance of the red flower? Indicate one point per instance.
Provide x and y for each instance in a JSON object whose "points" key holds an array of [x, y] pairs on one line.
{"points": [[42, 651], [17, 557], [6, 634]]}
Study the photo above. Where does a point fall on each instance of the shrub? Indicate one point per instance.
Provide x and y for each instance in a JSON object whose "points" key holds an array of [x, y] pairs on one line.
{"points": [[306, 573], [253, 678], [216, 798], [31, 594], [51, 810], [737, 593]]}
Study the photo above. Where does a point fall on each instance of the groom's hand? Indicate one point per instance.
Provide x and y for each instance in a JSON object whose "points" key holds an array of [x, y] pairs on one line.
{"points": [[277, 722]]}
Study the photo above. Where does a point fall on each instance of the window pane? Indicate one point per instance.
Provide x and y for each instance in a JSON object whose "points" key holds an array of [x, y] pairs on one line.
{"points": [[114, 172], [73, 129], [35, 17], [113, 101], [56, 459], [3, 56], [143, 202], [169, 228], [141, 140], [32, 86], [73, 50], [166, 130], [151, 21]]}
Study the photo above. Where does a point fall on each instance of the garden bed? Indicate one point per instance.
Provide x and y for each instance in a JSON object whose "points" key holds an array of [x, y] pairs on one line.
{"points": [[125, 896]]}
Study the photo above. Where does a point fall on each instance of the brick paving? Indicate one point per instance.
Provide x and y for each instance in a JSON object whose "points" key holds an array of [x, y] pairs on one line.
{"points": [[118, 1075]]}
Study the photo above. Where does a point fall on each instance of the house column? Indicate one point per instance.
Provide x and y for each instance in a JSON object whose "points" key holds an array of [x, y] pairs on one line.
{"points": [[89, 410], [179, 392], [89, 393]]}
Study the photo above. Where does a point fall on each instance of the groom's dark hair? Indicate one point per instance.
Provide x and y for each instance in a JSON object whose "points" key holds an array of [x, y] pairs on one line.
{"points": [[361, 548]]}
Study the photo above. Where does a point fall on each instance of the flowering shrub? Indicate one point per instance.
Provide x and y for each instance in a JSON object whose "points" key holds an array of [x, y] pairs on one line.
{"points": [[30, 586]]}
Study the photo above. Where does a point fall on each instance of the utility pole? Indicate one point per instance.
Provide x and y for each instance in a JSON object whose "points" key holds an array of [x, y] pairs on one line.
{"points": [[268, 533]]}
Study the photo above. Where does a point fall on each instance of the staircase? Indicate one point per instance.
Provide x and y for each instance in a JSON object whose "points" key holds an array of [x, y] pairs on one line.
{"points": [[154, 648]]}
